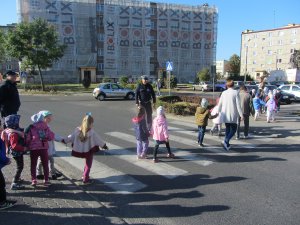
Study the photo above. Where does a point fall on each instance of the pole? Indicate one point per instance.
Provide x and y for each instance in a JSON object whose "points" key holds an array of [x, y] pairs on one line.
{"points": [[169, 76]]}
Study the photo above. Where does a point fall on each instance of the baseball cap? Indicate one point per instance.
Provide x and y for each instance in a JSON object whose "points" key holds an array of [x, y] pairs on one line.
{"points": [[144, 77], [11, 73]]}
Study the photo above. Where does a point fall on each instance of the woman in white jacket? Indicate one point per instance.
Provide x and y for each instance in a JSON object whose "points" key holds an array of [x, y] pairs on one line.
{"points": [[230, 109]]}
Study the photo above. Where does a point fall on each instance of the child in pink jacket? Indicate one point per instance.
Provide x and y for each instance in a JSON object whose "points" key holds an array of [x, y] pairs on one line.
{"points": [[37, 136], [160, 133]]}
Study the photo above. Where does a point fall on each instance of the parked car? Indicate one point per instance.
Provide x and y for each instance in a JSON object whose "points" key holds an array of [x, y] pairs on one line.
{"points": [[292, 89], [220, 86], [112, 90], [279, 83], [203, 86], [287, 98]]}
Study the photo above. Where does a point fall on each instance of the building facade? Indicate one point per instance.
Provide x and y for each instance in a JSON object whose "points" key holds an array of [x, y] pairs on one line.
{"points": [[269, 51], [113, 38], [221, 67]]}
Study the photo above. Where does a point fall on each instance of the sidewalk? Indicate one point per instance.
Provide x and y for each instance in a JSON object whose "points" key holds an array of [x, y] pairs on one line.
{"points": [[63, 203]]}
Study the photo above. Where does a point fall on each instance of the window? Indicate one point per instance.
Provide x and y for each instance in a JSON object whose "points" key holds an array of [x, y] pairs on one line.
{"points": [[294, 41], [270, 43], [106, 86], [269, 52], [100, 8], [295, 88], [280, 42], [115, 86], [100, 52], [8, 67], [254, 53], [294, 32], [254, 62], [270, 34], [280, 33], [100, 66], [285, 88], [100, 37], [279, 60]]}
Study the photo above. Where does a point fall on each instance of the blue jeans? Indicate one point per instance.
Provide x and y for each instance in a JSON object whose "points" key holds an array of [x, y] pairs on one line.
{"points": [[201, 133], [229, 132]]}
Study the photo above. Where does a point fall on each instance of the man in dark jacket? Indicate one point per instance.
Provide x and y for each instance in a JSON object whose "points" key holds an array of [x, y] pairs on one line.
{"points": [[9, 95], [245, 100], [143, 95]]}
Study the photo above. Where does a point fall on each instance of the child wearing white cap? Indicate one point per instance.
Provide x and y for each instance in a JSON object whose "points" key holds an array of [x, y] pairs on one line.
{"points": [[54, 174]]}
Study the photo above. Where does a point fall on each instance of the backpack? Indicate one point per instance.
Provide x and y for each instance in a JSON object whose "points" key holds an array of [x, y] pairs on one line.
{"points": [[27, 134]]}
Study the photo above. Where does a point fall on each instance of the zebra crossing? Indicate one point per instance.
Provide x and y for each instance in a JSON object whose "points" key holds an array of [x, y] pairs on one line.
{"points": [[123, 183]]}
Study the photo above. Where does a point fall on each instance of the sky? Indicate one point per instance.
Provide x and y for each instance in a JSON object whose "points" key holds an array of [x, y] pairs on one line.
{"points": [[235, 16]]}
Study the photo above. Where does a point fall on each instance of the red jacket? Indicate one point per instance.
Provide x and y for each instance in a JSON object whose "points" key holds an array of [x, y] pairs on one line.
{"points": [[13, 140]]}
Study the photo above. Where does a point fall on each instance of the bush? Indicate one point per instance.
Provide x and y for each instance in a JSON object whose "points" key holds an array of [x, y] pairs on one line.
{"points": [[123, 80], [86, 83], [183, 104]]}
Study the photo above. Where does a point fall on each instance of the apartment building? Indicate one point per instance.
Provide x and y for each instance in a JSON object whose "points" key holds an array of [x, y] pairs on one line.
{"points": [[113, 38], [269, 50], [221, 67]]}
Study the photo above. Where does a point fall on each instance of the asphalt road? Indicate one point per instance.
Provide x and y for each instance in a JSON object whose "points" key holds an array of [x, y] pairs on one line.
{"points": [[257, 182]]}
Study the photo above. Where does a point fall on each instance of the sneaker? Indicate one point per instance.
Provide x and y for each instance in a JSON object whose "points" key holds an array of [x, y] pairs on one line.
{"points": [[155, 160], [7, 205], [54, 177], [34, 183], [143, 156], [40, 177], [89, 181], [58, 174], [171, 155], [201, 145], [225, 146], [16, 186], [47, 183]]}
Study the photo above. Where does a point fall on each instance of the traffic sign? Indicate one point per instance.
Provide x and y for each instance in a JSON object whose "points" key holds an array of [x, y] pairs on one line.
{"points": [[169, 66]]}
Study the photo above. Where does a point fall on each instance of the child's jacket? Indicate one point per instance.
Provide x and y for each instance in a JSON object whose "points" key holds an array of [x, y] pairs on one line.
{"points": [[271, 105], [83, 149], [160, 128], [202, 115], [37, 136], [257, 102], [140, 128]]}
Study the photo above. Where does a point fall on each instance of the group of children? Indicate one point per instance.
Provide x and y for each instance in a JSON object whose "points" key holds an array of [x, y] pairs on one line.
{"points": [[158, 130], [266, 101], [38, 140]]}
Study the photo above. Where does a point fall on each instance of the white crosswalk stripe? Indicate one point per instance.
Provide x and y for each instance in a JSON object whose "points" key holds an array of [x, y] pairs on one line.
{"points": [[161, 168], [116, 180], [181, 154]]}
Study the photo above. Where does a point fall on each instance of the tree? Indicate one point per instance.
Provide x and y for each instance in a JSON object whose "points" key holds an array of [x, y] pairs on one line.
{"points": [[203, 75], [2, 47], [295, 59], [36, 44], [234, 64], [123, 80]]}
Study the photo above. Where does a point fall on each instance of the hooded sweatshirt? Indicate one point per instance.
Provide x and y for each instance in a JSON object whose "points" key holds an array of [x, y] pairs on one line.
{"points": [[160, 126], [38, 134], [140, 128], [271, 104], [83, 149]]}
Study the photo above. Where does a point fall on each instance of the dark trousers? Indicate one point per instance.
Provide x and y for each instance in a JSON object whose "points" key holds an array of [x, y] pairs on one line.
{"points": [[201, 133], [20, 165], [34, 155], [229, 131], [246, 126], [2, 188], [157, 143], [148, 109]]}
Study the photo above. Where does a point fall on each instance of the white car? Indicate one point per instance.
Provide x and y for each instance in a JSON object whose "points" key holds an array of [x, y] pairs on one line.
{"points": [[291, 88]]}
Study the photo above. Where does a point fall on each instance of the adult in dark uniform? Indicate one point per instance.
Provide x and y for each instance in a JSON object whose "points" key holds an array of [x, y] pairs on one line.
{"points": [[144, 96], [9, 95]]}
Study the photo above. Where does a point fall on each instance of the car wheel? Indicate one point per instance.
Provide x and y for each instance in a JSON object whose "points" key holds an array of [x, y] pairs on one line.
{"points": [[288, 101], [202, 89], [130, 96], [101, 97]]}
